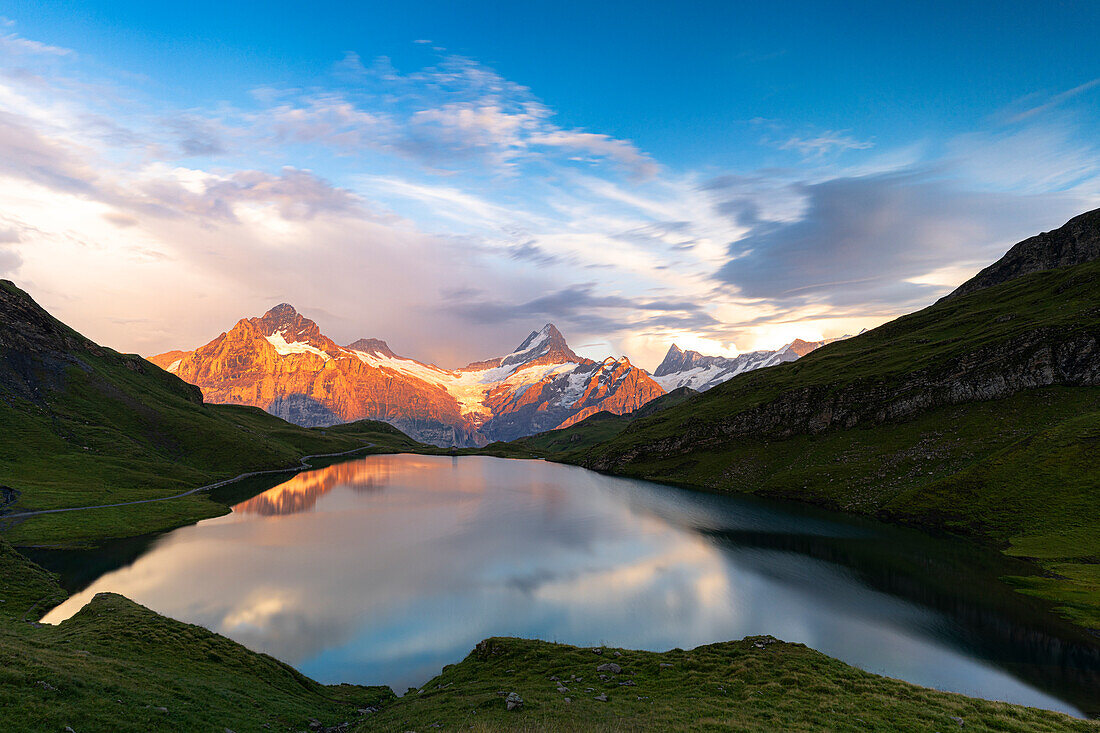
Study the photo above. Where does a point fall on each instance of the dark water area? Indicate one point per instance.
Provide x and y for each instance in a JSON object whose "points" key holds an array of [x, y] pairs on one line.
{"points": [[381, 570]]}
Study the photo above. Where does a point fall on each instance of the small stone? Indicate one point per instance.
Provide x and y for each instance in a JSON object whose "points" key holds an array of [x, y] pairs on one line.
{"points": [[601, 698], [664, 665], [554, 678], [69, 730], [628, 683], [958, 720], [158, 708], [562, 688], [315, 724], [597, 650], [617, 654], [513, 701], [46, 686], [227, 730], [609, 667], [568, 699]]}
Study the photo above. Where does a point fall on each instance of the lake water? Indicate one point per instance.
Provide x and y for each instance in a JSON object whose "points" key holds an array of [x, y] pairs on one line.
{"points": [[384, 569]]}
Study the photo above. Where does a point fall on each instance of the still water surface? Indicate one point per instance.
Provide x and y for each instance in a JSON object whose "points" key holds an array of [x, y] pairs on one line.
{"points": [[382, 570]]}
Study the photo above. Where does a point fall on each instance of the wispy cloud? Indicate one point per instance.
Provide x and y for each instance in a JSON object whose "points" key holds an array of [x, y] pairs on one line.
{"points": [[1052, 102], [824, 143]]}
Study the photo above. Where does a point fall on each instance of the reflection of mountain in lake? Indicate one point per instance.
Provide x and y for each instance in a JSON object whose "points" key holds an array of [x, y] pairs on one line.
{"points": [[301, 493]]}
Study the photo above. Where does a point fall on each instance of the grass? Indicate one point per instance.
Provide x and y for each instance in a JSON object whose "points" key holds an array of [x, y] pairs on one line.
{"points": [[756, 684], [230, 440]]}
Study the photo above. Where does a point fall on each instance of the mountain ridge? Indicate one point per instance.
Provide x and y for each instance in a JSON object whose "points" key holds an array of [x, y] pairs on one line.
{"points": [[1074, 243], [700, 372]]}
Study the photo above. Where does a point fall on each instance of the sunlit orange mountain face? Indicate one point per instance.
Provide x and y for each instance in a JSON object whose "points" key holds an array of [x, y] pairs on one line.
{"points": [[282, 363]]}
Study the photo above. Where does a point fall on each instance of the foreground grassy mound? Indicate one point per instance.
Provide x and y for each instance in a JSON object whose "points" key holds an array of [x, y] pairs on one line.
{"points": [[116, 666], [757, 684]]}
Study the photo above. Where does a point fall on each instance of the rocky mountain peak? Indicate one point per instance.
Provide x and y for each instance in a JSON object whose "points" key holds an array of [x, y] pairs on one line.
{"points": [[287, 322], [545, 346], [372, 346], [676, 360]]}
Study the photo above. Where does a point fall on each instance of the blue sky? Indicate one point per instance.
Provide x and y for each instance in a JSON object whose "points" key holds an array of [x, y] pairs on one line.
{"points": [[449, 176]]}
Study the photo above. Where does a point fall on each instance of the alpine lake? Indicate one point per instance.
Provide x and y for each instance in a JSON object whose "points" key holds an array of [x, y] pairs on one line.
{"points": [[382, 570]]}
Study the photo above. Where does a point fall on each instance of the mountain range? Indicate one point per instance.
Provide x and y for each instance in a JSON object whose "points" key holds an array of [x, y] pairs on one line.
{"points": [[284, 364]]}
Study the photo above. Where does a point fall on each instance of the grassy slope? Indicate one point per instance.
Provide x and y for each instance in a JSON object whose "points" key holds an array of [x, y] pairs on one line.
{"points": [[728, 686], [112, 665], [1019, 472]]}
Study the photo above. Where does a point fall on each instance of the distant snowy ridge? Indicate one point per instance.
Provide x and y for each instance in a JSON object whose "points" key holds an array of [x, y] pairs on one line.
{"points": [[699, 372]]}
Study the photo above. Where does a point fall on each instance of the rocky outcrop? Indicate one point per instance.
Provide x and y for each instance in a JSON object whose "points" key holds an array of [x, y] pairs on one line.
{"points": [[1075, 242]]}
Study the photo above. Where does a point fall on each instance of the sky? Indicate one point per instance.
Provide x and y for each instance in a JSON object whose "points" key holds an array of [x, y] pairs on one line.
{"points": [[451, 176]]}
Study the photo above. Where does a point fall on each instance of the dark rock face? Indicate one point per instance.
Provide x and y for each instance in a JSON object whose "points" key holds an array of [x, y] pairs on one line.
{"points": [[1074, 243]]}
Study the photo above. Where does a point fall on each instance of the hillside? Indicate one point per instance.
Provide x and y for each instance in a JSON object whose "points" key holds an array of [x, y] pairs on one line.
{"points": [[977, 414], [85, 425]]}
